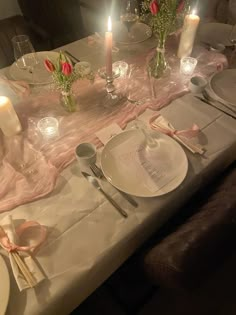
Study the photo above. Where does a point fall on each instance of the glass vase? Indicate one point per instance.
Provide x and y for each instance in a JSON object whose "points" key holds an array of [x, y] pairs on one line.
{"points": [[158, 66], [67, 100]]}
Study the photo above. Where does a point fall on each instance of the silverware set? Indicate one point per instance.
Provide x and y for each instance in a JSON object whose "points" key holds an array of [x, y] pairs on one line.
{"points": [[92, 180], [98, 174], [224, 108]]}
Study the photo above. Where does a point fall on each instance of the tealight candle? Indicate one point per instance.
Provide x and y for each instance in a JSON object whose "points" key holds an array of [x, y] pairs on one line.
{"points": [[9, 122], [120, 68], [188, 65], [48, 127], [108, 43], [188, 34]]}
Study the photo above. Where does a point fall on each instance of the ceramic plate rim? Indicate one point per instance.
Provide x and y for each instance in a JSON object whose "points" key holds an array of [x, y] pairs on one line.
{"points": [[29, 81], [226, 43], [4, 285], [158, 193], [135, 42], [210, 84]]}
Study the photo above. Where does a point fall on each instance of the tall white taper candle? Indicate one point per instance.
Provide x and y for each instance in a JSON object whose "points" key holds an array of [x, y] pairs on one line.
{"points": [[188, 34], [9, 122]]}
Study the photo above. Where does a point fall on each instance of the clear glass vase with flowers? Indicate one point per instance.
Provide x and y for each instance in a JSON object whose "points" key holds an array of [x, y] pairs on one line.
{"points": [[64, 74], [164, 17]]}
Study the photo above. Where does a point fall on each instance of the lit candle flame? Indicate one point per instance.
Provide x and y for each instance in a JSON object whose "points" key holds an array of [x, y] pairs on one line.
{"points": [[109, 24], [194, 12]]}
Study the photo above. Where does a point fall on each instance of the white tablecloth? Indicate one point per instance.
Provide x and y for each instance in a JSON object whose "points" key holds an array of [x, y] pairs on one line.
{"points": [[87, 239]]}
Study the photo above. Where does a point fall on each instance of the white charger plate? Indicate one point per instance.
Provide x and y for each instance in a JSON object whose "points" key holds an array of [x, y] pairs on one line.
{"points": [[40, 75], [223, 85], [215, 33], [139, 32], [4, 286], [133, 184]]}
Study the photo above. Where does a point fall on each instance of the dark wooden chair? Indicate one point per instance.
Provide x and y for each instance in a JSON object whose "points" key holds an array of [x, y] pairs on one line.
{"points": [[60, 19]]}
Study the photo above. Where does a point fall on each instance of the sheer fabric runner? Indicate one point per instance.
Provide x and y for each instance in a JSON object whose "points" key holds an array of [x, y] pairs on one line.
{"points": [[30, 165]]}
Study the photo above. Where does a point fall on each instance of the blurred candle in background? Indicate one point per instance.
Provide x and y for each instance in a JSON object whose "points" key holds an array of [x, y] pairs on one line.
{"points": [[188, 34], [9, 122], [108, 43]]}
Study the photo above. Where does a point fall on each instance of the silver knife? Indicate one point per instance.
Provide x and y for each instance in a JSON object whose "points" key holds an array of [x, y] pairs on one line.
{"points": [[72, 56], [92, 180], [215, 106], [98, 173]]}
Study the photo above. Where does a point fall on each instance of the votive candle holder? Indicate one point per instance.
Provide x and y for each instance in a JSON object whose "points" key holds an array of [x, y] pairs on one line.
{"points": [[188, 65], [48, 127]]}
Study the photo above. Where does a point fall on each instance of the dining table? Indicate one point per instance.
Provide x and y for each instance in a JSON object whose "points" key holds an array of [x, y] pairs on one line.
{"points": [[87, 240]]}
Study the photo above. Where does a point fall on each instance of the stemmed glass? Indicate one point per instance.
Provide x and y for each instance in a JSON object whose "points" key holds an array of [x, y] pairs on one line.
{"points": [[129, 15], [232, 39], [24, 53], [150, 143]]}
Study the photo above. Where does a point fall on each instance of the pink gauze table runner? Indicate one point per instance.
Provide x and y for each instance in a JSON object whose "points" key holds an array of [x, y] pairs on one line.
{"points": [[30, 165]]}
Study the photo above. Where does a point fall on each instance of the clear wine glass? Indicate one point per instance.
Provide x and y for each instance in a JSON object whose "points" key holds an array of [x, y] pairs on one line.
{"points": [[129, 15], [232, 39], [24, 53]]}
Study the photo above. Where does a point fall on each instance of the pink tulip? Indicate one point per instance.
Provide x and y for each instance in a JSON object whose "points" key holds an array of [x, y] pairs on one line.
{"points": [[154, 8], [49, 65], [67, 68], [180, 7]]}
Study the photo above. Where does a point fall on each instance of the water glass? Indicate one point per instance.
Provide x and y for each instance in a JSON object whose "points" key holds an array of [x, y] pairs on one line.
{"points": [[24, 53], [188, 65], [48, 127]]}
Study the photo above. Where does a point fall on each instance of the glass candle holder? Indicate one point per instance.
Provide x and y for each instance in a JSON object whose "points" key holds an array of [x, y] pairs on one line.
{"points": [[187, 65], [48, 127], [120, 68]]}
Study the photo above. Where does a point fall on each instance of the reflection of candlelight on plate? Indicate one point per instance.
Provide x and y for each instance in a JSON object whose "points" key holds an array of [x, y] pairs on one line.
{"points": [[187, 65], [9, 122], [48, 127]]}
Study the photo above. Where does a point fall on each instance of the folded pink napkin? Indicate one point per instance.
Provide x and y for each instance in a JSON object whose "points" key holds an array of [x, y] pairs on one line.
{"points": [[158, 122], [10, 240]]}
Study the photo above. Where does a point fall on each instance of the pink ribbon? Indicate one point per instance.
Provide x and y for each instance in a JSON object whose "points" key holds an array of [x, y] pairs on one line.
{"points": [[188, 133], [10, 247]]}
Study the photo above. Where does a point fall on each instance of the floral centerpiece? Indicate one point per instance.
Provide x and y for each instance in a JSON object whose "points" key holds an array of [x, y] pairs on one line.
{"points": [[164, 17], [64, 74]]}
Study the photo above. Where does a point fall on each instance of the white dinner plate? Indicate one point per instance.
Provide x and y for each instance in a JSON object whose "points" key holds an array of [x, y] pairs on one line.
{"points": [[223, 84], [40, 74], [131, 173], [139, 33], [4, 286], [215, 33]]}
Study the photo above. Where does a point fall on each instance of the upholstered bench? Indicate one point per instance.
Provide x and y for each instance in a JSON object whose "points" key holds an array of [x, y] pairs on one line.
{"points": [[196, 248]]}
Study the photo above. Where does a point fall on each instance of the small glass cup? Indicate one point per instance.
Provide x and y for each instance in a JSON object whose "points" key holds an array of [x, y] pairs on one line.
{"points": [[48, 127], [24, 53], [188, 65], [120, 68]]}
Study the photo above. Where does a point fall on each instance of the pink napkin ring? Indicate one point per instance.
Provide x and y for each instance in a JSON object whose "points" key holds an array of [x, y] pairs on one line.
{"points": [[10, 247]]}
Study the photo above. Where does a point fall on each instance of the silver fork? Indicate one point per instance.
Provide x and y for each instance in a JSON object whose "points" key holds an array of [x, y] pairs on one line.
{"points": [[98, 173]]}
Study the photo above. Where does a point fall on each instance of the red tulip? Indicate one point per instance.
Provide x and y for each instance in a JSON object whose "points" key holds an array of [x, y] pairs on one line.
{"points": [[154, 7], [49, 65], [67, 68], [180, 6]]}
